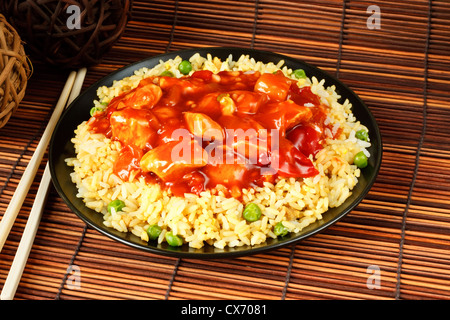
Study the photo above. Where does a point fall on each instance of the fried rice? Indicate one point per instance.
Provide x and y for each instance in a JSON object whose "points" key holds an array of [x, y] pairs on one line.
{"points": [[212, 218]]}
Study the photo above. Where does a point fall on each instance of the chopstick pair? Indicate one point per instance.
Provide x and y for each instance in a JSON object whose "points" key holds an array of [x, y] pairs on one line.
{"points": [[70, 91]]}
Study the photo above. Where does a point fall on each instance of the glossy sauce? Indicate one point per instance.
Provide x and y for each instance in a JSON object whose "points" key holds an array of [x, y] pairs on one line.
{"points": [[210, 108]]}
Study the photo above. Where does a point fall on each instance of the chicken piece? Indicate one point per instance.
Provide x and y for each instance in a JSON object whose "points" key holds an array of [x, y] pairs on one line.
{"points": [[283, 115], [294, 114], [164, 113], [127, 162], [134, 126], [202, 126], [275, 85], [247, 102], [209, 105], [246, 137], [232, 172], [145, 95], [224, 166], [172, 160]]}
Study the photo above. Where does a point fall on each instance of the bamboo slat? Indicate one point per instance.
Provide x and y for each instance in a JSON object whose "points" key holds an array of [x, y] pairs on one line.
{"points": [[402, 227]]}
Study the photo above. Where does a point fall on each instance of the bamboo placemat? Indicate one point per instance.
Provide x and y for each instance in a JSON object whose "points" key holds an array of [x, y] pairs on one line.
{"points": [[401, 230]]}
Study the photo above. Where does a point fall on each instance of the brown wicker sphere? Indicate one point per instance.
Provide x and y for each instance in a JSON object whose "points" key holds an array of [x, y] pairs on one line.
{"points": [[14, 70], [68, 33]]}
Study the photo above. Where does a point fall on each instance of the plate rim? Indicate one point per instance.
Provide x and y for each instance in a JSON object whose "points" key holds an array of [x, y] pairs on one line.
{"points": [[241, 251]]}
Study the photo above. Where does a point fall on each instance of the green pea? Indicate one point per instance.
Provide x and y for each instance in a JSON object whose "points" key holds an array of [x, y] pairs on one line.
{"points": [[117, 205], [153, 231], [362, 135], [360, 160], [174, 240], [280, 229], [94, 110], [185, 67], [251, 212], [167, 73], [299, 74]]}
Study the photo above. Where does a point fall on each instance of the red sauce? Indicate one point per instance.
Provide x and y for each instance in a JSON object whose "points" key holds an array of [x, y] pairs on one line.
{"points": [[210, 110]]}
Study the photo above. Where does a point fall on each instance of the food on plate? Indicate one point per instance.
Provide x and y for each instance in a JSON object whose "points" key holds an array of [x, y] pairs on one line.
{"points": [[224, 153]]}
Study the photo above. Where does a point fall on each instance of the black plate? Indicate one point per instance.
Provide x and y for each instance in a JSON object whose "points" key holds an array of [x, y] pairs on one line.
{"points": [[61, 148]]}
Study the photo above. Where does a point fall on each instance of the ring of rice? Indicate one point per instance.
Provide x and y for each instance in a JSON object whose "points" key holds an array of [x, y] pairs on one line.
{"points": [[214, 219]]}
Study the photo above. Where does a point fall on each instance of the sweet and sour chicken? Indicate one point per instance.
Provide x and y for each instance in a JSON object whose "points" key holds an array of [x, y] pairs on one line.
{"points": [[233, 129]]}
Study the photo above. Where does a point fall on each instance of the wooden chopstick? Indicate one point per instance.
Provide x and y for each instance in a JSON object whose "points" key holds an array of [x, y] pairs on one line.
{"points": [[28, 176], [70, 92]]}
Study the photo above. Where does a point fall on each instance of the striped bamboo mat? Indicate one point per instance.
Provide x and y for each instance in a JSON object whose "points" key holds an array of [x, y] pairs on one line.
{"points": [[399, 234]]}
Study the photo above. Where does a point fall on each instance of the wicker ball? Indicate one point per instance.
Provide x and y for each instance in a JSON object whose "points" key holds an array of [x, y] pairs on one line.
{"points": [[14, 70], [68, 33]]}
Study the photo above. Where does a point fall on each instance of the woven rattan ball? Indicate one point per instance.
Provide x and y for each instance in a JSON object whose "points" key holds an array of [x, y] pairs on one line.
{"points": [[68, 33], [14, 70]]}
